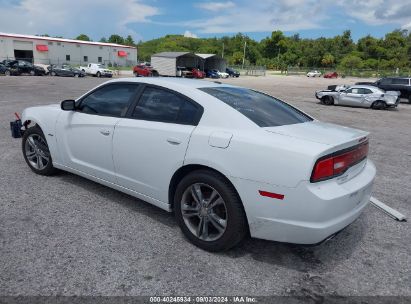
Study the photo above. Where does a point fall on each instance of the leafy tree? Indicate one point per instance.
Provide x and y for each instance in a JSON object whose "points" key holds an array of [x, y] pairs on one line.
{"points": [[83, 37], [103, 39], [116, 39], [129, 41], [351, 62], [328, 60]]}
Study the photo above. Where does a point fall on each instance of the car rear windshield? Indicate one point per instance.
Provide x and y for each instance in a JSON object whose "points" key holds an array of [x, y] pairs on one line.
{"points": [[262, 109]]}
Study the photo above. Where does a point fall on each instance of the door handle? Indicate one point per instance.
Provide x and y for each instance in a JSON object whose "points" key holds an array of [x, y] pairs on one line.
{"points": [[105, 132], [173, 141]]}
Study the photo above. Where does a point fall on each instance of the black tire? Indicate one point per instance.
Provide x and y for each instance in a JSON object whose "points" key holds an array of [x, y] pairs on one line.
{"points": [[98, 74], [409, 98], [32, 73], [236, 223], [53, 73], [7, 73], [48, 168], [155, 73], [327, 100], [379, 105]]}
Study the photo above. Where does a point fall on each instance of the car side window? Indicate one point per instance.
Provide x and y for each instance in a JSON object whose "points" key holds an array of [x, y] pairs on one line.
{"points": [[366, 91], [385, 81], [161, 105], [110, 100], [403, 81], [354, 91]]}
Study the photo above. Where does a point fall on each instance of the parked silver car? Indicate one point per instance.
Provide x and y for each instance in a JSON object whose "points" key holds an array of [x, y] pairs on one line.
{"points": [[365, 96]]}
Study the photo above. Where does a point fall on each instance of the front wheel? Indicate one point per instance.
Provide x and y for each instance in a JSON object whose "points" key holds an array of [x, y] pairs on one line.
{"points": [[98, 74], [327, 100], [209, 211], [36, 152], [7, 73]]}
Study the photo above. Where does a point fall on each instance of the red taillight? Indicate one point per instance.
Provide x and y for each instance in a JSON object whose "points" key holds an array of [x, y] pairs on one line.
{"points": [[337, 163]]}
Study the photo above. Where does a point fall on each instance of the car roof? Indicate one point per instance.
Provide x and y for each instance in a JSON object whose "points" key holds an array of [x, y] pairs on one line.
{"points": [[172, 82], [364, 87]]}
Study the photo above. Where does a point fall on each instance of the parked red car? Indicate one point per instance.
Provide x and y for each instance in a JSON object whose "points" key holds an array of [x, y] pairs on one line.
{"points": [[197, 73], [331, 75], [144, 71]]}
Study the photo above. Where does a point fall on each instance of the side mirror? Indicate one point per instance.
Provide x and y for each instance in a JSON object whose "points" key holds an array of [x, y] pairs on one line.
{"points": [[68, 105]]}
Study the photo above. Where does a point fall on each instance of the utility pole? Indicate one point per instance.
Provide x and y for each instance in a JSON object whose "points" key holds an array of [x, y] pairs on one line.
{"points": [[245, 45]]}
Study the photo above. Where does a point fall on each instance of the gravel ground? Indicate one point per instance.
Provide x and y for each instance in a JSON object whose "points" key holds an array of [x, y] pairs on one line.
{"points": [[65, 235]]}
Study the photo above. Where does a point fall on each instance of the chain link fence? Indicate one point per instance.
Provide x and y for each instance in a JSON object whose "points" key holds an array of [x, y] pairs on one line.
{"points": [[250, 70], [365, 73]]}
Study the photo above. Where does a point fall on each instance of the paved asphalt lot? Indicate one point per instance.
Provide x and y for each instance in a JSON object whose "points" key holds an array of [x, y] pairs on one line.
{"points": [[65, 235]]}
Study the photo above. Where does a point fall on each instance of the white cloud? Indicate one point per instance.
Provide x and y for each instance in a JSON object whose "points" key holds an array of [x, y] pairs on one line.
{"points": [[189, 34], [216, 6], [378, 12], [406, 26], [69, 18], [262, 16]]}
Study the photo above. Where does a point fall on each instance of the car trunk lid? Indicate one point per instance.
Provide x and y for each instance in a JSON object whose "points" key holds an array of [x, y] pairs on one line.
{"points": [[321, 132], [336, 140]]}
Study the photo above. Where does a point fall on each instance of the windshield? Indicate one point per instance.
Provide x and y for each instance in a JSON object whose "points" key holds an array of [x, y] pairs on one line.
{"points": [[262, 109]]}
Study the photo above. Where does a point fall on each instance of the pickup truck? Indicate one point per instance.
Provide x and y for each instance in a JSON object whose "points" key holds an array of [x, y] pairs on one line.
{"points": [[401, 84], [96, 69]]}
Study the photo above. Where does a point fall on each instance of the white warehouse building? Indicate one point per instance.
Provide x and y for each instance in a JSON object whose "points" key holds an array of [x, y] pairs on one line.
{"points": [[48, 50]]}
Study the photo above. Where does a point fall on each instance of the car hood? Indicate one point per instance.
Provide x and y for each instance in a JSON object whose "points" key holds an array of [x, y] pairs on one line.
{"points": [[321, 132]]}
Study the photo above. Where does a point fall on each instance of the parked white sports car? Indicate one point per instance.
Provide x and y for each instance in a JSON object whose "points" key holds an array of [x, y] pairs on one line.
{"points": [[364, 96], [314, 74], [222, 74], [228, 160]]}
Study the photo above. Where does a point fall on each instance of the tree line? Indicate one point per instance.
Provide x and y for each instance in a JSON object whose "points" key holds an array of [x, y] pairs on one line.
{"points": [[279, 51]]}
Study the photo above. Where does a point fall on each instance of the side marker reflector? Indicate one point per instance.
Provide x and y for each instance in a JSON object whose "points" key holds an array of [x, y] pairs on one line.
{"points": [[271, 194]]}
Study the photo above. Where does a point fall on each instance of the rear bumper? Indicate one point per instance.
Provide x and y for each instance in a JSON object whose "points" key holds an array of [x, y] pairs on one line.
{"points": [[309, 213]]}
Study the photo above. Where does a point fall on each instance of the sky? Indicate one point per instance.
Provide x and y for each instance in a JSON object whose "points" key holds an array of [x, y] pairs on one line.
{"points": [[148, 19]]}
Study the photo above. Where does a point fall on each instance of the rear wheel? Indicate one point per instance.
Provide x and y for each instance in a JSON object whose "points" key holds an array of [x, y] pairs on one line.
{"points": [[379, 105], [7, 73], [209, 211], [98, 74], [32, 73], [36, 152], [53, 73]]}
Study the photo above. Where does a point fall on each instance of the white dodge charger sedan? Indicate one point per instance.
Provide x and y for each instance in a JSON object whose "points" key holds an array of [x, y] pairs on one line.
{"points": [[229, 161]]}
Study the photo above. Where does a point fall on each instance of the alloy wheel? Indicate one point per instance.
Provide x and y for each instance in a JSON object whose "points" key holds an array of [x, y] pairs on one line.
{"points": [[204, 212], [37, 152]]}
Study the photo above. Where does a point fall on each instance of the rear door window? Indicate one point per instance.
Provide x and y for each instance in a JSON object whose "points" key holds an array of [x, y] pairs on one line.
{"points": [[262, 109], [162, 105], [403, 81]]}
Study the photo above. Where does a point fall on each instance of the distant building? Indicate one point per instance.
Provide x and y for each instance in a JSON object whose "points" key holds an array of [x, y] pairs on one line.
{"points": [[47, 50]]}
